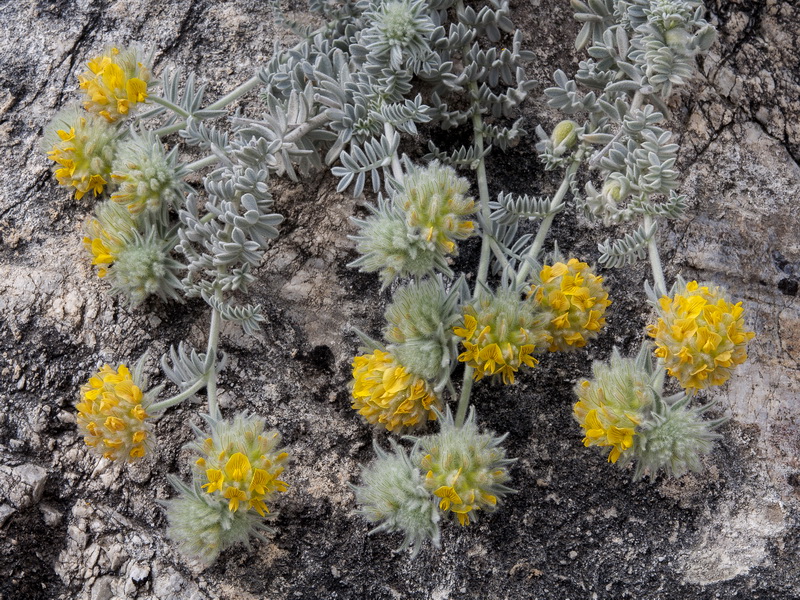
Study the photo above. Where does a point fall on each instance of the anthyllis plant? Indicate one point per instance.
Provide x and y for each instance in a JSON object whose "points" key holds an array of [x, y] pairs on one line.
{"points": [[639, 52], [341, 98], [466, 64], [154, 234]]}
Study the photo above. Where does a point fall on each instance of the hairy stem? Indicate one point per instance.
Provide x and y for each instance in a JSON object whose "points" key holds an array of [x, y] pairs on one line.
{"points": [[203, 162], [659, 283], [178, 398], [486, 249], [538, 242], [211, 362], [169, 105], [237, 93]]}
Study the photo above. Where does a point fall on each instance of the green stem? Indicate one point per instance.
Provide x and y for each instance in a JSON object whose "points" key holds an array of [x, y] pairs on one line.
{"points": [[538, 241], [659, 282], [203, 162], [178, 398], [169, 105], [463, 401], [237, 93], [211, 363], [498, 253], [486, 249]]}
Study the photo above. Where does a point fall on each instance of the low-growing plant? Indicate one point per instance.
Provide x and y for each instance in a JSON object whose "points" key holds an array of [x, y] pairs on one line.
{"points": [[342, 98]]}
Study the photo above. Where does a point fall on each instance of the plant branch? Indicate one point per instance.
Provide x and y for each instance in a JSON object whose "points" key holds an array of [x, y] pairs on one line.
{"points": [[178, 398]]}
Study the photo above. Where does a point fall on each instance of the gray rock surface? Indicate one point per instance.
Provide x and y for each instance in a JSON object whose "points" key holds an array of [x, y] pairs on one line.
{"points": [[71, 527]]}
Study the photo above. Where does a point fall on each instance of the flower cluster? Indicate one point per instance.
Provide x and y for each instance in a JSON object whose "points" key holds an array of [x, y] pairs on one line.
{"points": [[393, 495], [130, 237], [241, 463], [500, 335], [136, 265], [236, 474], [613, 404], [623, 408], [112, 413], [82, 146], [464, 468], [414, 231], [114, 83], [700, 336], [460, 471], [572, 302], [385, 393]]}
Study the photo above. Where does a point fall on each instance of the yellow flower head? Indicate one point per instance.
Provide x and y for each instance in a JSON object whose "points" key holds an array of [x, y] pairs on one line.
{"points": [[700, 336], [435, 202], [82, 146], [385, 393], [612, 405], [112, 414], [241, 463], [464, 468], [114, 83], [572, 301], [500, 334], [107, 235]]}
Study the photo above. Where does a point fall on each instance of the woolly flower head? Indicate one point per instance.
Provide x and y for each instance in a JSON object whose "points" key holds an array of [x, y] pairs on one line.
{"points": [[82, 147], [700, 336], [674, 438], [389, 245], [107, 235], [435, 203], [572, 302], [400, 29], [240, 462], [392, 495], [385, 393], [612, 405], [203, 527], [419, 321], [112, 413], [147, 178], [114, 83], [465, 468], [500, 334], [143, 267]]}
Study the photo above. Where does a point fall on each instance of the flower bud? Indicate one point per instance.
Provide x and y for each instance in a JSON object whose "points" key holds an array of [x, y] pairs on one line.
{"points": [[147, 178], [435, 202], [674, 438], [565, 135], [392, 494]]}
